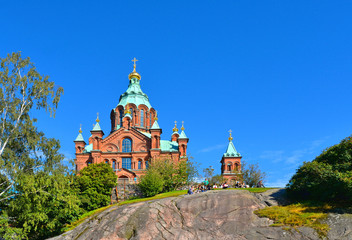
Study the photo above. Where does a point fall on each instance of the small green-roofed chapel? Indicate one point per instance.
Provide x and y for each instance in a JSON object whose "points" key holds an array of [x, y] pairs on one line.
{"points": [[231, 161], [134, 138]]}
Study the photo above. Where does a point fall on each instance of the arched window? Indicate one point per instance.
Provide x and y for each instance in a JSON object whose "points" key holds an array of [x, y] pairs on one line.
{"points": [[150, 120], [121, 116], [142, 118], [107, 161], [236, 167], [131, 110], [139, 164], [146, 164], [229, 167], [127, 145], [114, 165]]}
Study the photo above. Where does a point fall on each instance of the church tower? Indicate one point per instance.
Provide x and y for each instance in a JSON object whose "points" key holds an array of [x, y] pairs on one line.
{"points": [[231, 162]]}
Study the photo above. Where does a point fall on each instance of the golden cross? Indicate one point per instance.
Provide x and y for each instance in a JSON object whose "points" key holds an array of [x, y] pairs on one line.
{"points": [[230, 131], [97, 117], [134, 60], [80, 128], [175, 123]]}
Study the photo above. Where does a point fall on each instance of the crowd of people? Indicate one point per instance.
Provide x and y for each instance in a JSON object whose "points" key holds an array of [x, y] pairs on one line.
{"points": [[205, 186]]}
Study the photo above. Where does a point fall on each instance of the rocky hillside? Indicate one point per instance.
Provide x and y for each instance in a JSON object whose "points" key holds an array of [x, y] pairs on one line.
{"points": [[210, 215]]}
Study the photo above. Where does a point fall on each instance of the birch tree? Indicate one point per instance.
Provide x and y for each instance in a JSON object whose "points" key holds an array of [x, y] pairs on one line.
{"points": [[22, 88]]}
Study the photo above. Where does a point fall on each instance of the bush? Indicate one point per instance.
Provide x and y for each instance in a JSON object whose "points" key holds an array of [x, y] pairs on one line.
{"points": [[151, 184], [327, 178], [95, 183]]}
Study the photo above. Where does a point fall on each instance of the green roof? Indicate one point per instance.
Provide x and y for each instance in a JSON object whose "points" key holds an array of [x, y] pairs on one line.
{"points": [[183, 135], [79, 137], [134, 94], [155, 125], [96, 127], [231, 151], [168, 146], [88, 148]]}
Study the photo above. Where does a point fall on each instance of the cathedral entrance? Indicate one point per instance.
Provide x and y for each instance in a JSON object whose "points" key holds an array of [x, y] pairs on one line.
{"points": [[122, 183]]}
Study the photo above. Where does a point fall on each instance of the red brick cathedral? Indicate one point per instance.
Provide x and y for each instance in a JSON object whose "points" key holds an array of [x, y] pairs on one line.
{"points": [[134, 139]]}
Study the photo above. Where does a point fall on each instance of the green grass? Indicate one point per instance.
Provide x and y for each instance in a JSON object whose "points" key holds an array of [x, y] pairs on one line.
{"points": [[298, 215], [99, 210]]}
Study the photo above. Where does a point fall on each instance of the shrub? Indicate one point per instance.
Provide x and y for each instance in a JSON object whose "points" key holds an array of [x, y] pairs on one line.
{"points": [[95, 183], [327, 178], [151, 184]]}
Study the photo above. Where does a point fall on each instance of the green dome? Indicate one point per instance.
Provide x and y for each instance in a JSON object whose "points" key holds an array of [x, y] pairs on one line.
{"points": [[134, 95]]}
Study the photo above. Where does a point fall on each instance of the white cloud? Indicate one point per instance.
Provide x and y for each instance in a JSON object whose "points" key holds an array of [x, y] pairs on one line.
{"points": [[212, 148], [275, 156], [293, 157]]}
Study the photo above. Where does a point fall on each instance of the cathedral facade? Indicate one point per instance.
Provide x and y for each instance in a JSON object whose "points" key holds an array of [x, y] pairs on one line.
{"points": [[134, 139], [231, 162]]}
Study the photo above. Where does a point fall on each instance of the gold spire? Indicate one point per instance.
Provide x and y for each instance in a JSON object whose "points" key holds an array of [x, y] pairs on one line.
{"points": [[182, 128], [175, 129], [97, 120], [230, 138], [134, 74], [80, 128], [156, 116]]}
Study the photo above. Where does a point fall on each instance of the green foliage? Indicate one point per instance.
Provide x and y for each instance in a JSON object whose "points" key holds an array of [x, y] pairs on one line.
{"points": [[208, 172], [168, 174], [45, 202], [327, 178], [95, 183], [10, 232], [35, 189], [152, 183], [217, 179], [251, 174]]}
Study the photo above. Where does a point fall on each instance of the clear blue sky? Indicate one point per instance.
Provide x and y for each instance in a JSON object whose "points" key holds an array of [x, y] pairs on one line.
{"points": [[278, 73]]}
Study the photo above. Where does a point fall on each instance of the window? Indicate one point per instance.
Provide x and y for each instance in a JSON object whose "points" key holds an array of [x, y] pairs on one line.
{"points": [[127, 145], [126, 163], [121, 116], [114, 165], [139, 164], [229, 167], [146, 164], [107, 161], [142, 118], [150, 120], [131, 110]]}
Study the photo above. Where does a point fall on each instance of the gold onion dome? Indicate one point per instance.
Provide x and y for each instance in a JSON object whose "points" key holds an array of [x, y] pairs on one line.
{"points": [[134, 74], [182, 128], [175, 129], [230, 138]]}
